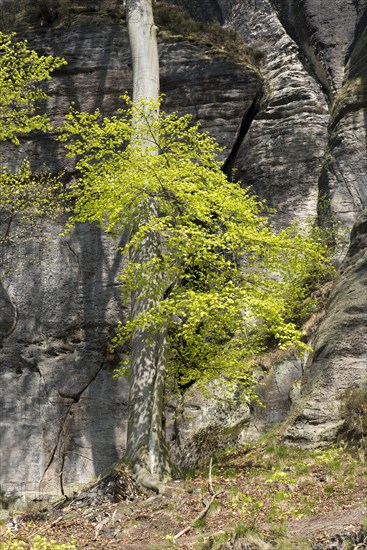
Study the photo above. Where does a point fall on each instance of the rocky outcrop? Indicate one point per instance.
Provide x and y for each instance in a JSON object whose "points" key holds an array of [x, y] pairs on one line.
{"points": [[307, 150], [338, 363], [283, 153], [199, 427], [8, 313], [309, 139], [343, 175], [331, 45], [63, 416]]}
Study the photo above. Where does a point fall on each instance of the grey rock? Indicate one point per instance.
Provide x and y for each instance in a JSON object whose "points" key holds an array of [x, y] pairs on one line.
{"points": [[343, 176], [324, 35], [207, 10], [8, 313], [56, 368], [338, 363], [199, 426], [206, 425], [274, 390], [61, 411], [63, 416], [309, 143], [283, 154]]}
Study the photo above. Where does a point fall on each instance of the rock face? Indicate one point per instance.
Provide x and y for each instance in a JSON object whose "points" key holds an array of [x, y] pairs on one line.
{"points": [[203, 426], [63, 417], [283, 153], [310, 137], [8, 313], [340, 348], [333, 43], [55, 365], [308, 146]]}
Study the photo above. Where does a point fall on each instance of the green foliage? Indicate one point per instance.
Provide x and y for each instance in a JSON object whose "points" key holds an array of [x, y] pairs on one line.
{"points": [[222, 281], [248, 507], [214, 542], [199, 523], [274, 487], [23, 197], [331, 457], [21, 71], [13, 542], [278, 529]]}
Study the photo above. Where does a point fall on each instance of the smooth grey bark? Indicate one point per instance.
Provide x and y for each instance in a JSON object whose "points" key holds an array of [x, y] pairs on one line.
{"points": [[146, 443], [144, 48]]}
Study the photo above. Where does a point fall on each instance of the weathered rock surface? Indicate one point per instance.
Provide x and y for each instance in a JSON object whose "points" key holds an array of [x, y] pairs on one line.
{"points": [[339, 359], [203, 426], [63, 418], [309, 139], [61, 412], [283, 153], [309, 142], [343, 175], [331, 43], [8, 313]]}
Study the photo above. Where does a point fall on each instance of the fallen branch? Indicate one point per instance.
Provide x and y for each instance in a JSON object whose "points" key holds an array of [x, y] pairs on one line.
{"points": [[210, 481], [199, 516], [57, 520]]}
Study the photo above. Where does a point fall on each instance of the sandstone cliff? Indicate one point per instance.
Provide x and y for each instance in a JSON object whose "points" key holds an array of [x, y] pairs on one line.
{"points": [[309, 144], [63, 418]]}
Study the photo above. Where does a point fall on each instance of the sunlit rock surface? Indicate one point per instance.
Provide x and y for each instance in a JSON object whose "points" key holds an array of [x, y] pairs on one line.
{"points": [[340, 350], [63, 417]]}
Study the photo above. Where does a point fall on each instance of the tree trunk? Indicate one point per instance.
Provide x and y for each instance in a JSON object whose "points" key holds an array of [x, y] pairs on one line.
{"points": [[144, 48], [146, 444]]}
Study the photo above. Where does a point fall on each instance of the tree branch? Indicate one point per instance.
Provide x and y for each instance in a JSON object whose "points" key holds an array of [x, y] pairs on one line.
{"points": [[199, 516]]}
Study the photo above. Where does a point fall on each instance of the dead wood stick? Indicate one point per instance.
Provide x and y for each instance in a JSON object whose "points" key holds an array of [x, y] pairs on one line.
{"points": [[57, 520], [210, 481], [199, 516]]}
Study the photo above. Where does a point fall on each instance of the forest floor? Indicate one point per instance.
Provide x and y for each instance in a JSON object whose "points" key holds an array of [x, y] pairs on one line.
{"points": [[267, 494]]}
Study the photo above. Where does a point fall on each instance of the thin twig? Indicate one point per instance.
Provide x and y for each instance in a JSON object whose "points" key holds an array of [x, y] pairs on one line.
{"points": [[210, 481], [199, 516]]}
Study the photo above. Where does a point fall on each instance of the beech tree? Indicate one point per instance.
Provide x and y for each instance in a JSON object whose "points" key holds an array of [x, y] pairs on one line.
{"points": [[209, 281], [146, 445], [23, 197]]}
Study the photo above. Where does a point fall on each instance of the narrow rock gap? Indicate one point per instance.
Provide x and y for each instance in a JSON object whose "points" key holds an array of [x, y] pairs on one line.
{"points": [[76, 256], [242, 131], [53, 452]]}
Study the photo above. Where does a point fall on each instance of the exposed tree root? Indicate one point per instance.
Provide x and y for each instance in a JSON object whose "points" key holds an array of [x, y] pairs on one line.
{"points": [[148, 481]]}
